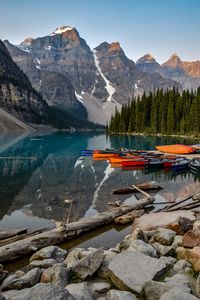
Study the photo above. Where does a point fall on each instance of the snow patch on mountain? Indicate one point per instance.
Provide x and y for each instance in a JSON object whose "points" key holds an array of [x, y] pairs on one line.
{"points": [[110, 89], [79, 97], [61, 30]]}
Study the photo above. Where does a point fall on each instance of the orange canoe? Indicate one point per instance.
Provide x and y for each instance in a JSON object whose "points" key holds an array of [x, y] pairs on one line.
{"points": [[104, 155], [117, 160], [175, 149]]}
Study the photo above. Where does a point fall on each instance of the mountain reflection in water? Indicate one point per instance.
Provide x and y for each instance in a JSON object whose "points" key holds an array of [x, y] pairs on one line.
{"points": [[39, 173]]}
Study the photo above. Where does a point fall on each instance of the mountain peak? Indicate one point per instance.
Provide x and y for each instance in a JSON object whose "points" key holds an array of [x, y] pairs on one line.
{"points": [[62, 29], [27, 41], [113, 47], [147, 58], [67, 32], [173, 61]]}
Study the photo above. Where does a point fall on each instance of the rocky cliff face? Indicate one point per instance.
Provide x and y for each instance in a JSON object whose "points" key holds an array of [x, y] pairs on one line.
{"points": [[16, 93], [63, 68], [186, 73]]}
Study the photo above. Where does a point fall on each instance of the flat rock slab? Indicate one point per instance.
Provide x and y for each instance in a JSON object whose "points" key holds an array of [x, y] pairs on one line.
{"points": [[130, 270], [160, 219], [39, 291]]}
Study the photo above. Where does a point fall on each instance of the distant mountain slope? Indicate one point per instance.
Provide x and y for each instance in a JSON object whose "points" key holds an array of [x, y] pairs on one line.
{"points": [[186, 73], [63, 68], [16, 93]]}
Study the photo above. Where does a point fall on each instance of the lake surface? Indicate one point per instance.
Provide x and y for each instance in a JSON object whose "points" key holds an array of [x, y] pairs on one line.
{"points": [[39, 173]]}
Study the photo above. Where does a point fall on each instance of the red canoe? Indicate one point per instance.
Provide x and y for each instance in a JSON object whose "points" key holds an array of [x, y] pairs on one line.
{"points": [[135, 162]]}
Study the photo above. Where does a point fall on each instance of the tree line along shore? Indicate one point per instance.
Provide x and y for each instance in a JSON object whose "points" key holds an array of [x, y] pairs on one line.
{"points": [[160, 112]]}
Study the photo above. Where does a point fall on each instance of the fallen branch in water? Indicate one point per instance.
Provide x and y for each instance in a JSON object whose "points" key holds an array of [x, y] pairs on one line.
{"points": [[7, 234], [169, 207], [146, 186], [67, 231]]}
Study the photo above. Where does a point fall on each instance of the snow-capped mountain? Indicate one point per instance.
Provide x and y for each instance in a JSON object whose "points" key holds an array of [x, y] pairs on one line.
{"points": [[63, 68]]}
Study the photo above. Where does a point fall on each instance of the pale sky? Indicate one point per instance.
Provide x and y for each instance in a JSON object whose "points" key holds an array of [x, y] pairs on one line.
{"points": [[158, 27]]}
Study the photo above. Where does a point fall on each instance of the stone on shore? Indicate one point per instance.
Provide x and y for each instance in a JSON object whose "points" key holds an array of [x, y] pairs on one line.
{"points": [[191, 238], [130, 270], [142, 247], [40, 291], [163, 250], [182, 266], [191, 255], [57, 275], [74, 256], [198, 286], [120, 295], [177, 294], [108, 257], [177, 241], [181, 225], [154, 289], [164, 236], [179, 281], [53, 252], [138, 234], [26, 281], [160, 219], [3, 275], [99, 287], [88, 265], [45, 263], [80, 291]]}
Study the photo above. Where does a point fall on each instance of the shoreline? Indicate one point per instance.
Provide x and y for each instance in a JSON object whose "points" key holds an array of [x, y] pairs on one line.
{"points": [[155, 134], [152, 262]]}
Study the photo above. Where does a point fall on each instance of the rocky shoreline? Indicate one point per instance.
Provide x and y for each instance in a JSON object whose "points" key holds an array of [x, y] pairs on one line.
{"points": [[159, 260]]}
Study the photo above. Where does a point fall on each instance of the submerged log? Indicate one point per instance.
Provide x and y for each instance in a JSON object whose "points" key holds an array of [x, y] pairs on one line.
{"points": [[146, 186], [15, 238], [131, 216], [8, 234], [66, 231]]}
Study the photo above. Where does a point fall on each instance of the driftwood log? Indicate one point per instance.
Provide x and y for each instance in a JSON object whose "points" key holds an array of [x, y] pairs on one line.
{"points": [[131, 216], [146, 186], [18, 237], [67, 231], [8, 234]]}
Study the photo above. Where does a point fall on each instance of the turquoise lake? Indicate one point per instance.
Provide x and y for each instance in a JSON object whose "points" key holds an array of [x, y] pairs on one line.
{"points": [[38, 173]]}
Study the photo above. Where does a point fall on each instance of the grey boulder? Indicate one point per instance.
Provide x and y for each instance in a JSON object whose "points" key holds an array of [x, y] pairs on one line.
{"points": [[165, 236], [177, 294], [88, 265], [119, 295], [17, 283], [130, 270], [56, 275], [53, 252], [40, 291], [80, 291], [142, 247]]}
